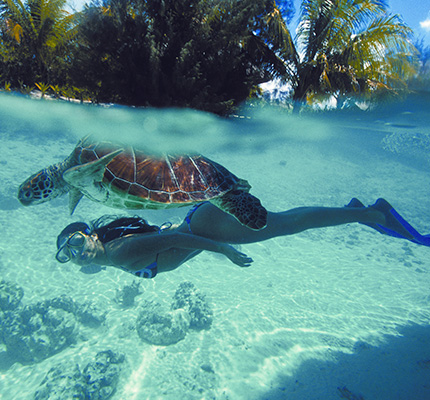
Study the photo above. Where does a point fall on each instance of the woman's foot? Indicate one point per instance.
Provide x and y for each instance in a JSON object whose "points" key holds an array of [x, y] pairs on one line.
{"points": [[394, 225], [390, 226], [355, 203]]}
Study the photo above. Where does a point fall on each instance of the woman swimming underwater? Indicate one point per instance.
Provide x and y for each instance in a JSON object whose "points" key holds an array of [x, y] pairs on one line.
{"points": [[133, 245]]}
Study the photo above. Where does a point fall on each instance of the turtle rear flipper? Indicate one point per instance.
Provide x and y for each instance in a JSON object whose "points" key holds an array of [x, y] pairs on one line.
{"points": [[245, 207]]}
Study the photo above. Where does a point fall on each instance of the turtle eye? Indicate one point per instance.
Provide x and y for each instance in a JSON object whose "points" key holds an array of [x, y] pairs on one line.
{"points": [[27, 194]]}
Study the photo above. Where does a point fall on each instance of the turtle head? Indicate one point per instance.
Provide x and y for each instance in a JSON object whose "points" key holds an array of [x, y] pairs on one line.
{"points": [[43, 186]]}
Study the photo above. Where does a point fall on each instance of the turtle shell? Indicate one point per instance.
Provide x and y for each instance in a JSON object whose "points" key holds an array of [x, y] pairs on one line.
{"points": [[167, 179]]}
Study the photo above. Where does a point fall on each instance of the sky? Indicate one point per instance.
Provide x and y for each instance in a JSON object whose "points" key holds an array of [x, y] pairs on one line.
{"points": [[415, 13]]}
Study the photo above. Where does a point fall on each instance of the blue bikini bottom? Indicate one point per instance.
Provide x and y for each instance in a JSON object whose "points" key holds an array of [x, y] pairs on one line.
{"points": [[190, 214]]}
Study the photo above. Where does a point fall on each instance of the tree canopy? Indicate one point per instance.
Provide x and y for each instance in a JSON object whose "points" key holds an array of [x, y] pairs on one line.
{"points": [[204, 54], [34, 36]]}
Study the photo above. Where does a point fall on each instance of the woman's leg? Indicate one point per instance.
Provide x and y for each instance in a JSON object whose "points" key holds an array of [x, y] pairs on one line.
{"points": [[211, 222], [300, 219]]}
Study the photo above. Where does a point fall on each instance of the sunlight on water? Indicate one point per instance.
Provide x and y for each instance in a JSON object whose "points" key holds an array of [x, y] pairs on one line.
{"points": [[332, 313]]}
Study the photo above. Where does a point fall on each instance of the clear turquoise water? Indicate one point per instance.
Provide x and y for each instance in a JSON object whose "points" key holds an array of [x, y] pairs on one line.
{"points": [[332, 313]]}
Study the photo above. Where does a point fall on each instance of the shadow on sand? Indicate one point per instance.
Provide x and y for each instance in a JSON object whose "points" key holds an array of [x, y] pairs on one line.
{"points": [[398, 369]]}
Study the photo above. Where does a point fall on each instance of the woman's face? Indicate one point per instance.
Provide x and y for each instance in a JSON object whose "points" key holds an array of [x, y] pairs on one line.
{"points": [[92, 249]]}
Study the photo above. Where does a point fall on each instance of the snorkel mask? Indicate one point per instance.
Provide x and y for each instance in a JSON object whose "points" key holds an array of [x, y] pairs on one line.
{"points": [[71, 241], [71, 247]]}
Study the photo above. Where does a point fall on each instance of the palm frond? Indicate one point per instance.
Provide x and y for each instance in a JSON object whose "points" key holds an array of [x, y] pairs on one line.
{"points": [[16, 13], [280, 34], [384, 36], [329, 24], [350, 17]]}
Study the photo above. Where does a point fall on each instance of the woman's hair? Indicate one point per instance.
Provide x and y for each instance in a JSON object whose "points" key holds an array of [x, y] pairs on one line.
{"points": [[69, 229], [108, 228]]}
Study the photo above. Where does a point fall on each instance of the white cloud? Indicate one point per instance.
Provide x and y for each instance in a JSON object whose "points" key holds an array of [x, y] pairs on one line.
{"points": [[425, 24]]}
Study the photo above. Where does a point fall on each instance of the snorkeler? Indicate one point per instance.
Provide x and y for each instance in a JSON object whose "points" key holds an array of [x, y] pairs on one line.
{"points": [[131, 244]]}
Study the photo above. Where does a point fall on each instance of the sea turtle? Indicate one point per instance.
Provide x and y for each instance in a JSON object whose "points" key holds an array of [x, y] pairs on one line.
{"points": [[126, 177]]}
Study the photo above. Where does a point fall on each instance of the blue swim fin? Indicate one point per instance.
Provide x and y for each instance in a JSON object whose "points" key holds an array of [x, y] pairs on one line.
{"points": [[394, 219], [396, 226]]}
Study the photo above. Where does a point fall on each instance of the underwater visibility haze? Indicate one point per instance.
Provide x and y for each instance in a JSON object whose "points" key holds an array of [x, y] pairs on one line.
{"points": [[339, 312]]}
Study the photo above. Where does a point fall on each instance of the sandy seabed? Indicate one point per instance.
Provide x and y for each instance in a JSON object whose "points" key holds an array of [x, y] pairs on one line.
{"points": [[335, 313]]}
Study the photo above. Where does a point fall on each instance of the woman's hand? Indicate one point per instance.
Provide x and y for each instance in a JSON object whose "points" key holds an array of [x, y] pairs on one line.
{"points": [[236, 256]]}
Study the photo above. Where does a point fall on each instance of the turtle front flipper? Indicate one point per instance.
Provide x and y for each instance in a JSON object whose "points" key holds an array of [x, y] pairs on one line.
{"points": [[87, 178], [245, 207], [75, 195]]}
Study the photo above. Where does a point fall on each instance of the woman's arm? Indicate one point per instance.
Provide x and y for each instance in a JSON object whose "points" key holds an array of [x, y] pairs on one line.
{"points": [[134, 248]]}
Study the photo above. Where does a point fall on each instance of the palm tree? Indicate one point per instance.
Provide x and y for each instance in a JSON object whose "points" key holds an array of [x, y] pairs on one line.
{"points": [[38, 30], [349, 46]]}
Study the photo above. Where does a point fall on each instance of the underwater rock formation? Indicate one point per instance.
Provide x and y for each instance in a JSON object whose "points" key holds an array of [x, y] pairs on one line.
{"points": [[102, 375], [156, 326], [125, 296], [189, 310], [97, 381], [35, 332], [38, 331], [10, 295], [62, 383], [86, 313], [413, 145], [189, 298]]}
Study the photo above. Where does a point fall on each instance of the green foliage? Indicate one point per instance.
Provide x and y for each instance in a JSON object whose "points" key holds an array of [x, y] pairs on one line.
{"points": [[206, 54], [43, 87], [56, 90], [34, 39], [68, 93]]}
